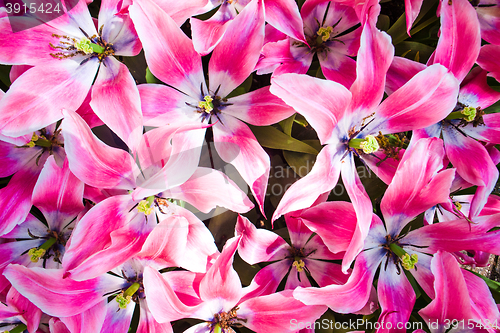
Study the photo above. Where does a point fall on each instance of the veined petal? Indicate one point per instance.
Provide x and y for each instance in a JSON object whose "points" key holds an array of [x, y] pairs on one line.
{"points": [[58, 194], [321, 179], [351, 296], [452, 299], [259, 245], [237, 145], [460, 39], [92, 161], [284, 15], [361, 204], [374, 58], [30, 102], [259, 107], [115, 99], [426, 99], [208, 188], [324, 105], [277, 312], [396, 297], [421, 164], [169, 52], [241, 44], [54, 295]]}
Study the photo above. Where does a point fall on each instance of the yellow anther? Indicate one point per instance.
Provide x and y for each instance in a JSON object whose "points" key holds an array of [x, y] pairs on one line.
{"points": [[470, 112], [299, 264], [36, 253], [408, 262], [84, 45], [369, 145], [207, 105], [324, 32], [458, 205], [123, 301], [145, 206]]}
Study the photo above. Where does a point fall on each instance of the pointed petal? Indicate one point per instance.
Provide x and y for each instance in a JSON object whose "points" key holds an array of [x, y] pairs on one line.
{"points": [[29, 311], [298, 231], [259, 245], [374, 58], [259, 108], [452, 299], [487, 59], [221, 282], [237, 145], [284, 15], [208, 188], [267, 280], [30, 102], [475, 90], [401, 202], [322, 179], [349, 297], [324, 105], [460, 39], [426, 99], [90, 320], [277, 312], [58, 194], [412, 9], [91, 160], [54, 295], [483, 305], [242, 42], [116, 101], [181, 11], [400, 72], [362, 205], [169, 52]]}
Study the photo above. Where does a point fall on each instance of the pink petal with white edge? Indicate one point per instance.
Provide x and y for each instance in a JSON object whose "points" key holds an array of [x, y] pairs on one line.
{"points": [[489, 132], [284, 15], [169, 52], [163, 105], [400, 72], [92, 161], [277, 312], [326, 273], [15, 202], [115, 99], [237, 145], [338, 67], [483, 305], [452, 299], [117, 319], [259, 245], [54, 295], [147, 324], [298, 231], [29, 104], [58, 193], [16, 71], [13, 158], [221, 283], [362, 205], [460, 39], [208, 188], [489, 23], [163, 302], [475, 90], [259, 108], [374, 58], [488, 61], [267, 280], [335, 222], [90, 320], [473, 164], [324, 105], [29, 312], [382, 165], [426, 99], [396, 297], [351, 296], [207, 34], [87, 114], [322, 179], [401, 202], [241, 43], [412, 9]]}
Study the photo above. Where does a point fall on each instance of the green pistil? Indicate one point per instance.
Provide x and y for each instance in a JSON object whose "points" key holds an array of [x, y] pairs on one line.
{"points": [[207, 105], [217, 328], [369, 144], [37, 252], [87, 47], [408, 262], [324, 34], [125, 297], [145, 206], [18, 329], [468, 113]]}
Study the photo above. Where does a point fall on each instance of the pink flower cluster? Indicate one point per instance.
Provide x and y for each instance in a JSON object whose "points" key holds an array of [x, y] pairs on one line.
{"points": [[93, 236]]}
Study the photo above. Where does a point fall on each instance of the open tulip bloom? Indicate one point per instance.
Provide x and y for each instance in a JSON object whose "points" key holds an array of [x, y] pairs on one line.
{"points": [[106, 106]]}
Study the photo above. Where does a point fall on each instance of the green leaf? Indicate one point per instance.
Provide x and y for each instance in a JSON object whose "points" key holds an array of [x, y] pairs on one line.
{"points": [[383, 22], [411, 49], [4, 77], [150, 78], [286, 124], [301, 163], [271, 137]]}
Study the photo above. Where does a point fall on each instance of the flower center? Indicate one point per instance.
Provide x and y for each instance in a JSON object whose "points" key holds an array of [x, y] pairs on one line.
{"points": [[146, 206], [399, 255], [223, 321], [126, 296], [206, 105], [466, 115], [324, 33], [369, 144]]}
